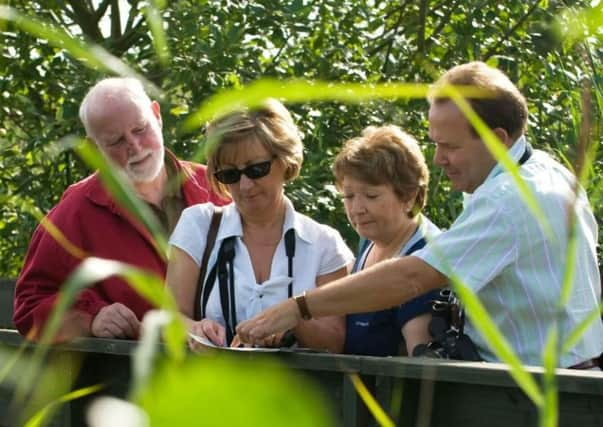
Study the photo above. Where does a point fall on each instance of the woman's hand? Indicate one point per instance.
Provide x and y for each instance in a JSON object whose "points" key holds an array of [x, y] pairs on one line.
{"points": [[272, 341], [276, 320], [208, 329]]}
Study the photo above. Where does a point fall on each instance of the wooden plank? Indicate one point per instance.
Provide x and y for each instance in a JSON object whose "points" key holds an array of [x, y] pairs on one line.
{"points": [[7, 294], [413, 391]]}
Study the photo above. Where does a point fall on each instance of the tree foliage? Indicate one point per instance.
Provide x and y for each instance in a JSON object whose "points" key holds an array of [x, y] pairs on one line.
{"points": [[224, 44]]}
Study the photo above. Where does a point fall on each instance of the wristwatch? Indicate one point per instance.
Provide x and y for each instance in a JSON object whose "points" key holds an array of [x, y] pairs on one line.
{"points": [[303, 306]]}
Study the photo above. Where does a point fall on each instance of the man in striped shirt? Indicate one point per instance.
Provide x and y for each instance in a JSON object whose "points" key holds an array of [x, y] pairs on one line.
{"points": [[496, 247]]}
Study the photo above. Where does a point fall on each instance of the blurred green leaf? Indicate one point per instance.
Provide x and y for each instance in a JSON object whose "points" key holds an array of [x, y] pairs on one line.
{"points": [[41, 417], [496, 341], [500, 153], [578, 24], [88, 272], [152, 14], [580, 329], [121, 191], [146, 352], [232, 391], [256, 93], [370, 402], [549, 411]]}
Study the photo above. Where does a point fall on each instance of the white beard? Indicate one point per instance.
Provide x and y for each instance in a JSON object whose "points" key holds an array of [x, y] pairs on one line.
{"points": [[150, 171]]}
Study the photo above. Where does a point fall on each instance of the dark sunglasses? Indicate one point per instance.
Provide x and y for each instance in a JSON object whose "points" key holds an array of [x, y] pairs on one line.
{"points": [[253, 171]]}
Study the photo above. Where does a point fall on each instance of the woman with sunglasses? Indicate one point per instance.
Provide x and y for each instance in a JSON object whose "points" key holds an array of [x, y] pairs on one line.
{"points": [[276, 252]]}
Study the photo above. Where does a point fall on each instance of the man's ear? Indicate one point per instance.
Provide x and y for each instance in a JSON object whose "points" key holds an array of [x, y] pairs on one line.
{"points": [[503, 136], [157, 111]]}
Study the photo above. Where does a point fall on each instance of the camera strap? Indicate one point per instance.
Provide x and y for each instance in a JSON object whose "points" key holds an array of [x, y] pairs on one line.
{"points": [[223, 269], [526, 154]]}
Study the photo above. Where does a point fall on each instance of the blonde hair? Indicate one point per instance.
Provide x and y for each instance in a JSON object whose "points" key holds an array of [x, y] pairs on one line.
{"points": [[271, 125], [385, 155]]}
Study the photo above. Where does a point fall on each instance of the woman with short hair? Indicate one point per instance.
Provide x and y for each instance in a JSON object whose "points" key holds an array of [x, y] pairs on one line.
{"points": [[383, 179], [252, 155]]}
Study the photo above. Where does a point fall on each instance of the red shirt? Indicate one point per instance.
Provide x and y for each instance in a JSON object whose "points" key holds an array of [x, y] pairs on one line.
{"points": [[91, 220]]}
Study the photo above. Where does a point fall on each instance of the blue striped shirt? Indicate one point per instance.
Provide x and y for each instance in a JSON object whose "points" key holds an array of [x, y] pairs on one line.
{"points": [[500, 251]]}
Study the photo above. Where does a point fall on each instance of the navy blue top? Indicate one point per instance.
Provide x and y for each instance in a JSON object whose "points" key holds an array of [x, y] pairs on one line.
{"points": [[379, 333]]}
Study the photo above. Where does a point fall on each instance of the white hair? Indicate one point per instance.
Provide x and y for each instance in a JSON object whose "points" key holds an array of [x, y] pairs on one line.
{"points": [[109, 88]]}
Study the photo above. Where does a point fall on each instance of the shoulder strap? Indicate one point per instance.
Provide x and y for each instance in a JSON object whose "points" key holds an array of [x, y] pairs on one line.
{"points": [[226, 283], [209, 245], [221, 271], [526, 154], [419, 244], [364, 244], [290, 252]]}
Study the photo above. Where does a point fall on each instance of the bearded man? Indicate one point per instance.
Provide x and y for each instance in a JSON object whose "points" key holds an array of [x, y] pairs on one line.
{"points": [[125, 124]]}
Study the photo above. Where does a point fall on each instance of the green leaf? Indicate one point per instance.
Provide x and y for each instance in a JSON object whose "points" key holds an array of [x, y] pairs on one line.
{"points": [[257, 92], [580, 329], [88, 272], [145, 354], [121, 191], [500, 152], [89, 54], [496, 341], [549, 411], [578, 24], [42, 416], [218, 390], [153, 17], [370, 402]]}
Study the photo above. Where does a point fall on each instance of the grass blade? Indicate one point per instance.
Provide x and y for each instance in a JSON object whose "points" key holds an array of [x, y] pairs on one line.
{"points": [[498, 344], [41, 416], [90, 271], [51, 229], [257, 92], [153, 17], [579, 330], [121, 191], [370, 402], [549, 410], [146, 351], [500, 152]]}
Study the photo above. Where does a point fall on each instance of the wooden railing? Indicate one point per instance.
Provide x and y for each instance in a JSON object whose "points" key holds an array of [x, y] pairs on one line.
{"points": [[435, 393]]}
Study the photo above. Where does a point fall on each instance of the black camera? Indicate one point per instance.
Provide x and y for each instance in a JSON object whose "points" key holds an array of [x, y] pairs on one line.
{"points": [[446, 329]]}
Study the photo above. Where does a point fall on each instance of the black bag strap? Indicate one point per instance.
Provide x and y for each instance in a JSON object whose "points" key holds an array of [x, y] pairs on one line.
{"points": [[211, 240], [290, 252], [526, 154], [226, 276], [207, 287]]}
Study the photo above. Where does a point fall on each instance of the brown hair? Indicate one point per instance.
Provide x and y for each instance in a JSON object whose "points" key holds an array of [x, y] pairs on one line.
{"points": [[271, 125], [506, 109], [385, 155]]}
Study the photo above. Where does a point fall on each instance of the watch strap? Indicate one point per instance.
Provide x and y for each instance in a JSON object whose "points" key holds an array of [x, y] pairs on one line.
{"points": [[302, 304]]}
